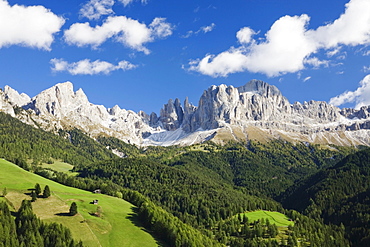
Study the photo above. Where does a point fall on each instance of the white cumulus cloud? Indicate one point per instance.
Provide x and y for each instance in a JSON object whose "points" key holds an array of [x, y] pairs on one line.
{"points": [[87, 67], [94, 9], [221, 65], [160, 28], [361, 96], [244, 35], [351, 28], [31, 26], [288, 46], [127, 31], [284, 50]]}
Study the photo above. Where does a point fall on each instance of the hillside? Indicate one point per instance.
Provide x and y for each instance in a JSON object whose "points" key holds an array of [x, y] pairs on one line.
{"points": [[184, 195], [29, 146], [116, 227], [201, 185], [261, 168], [339, 195], [34, 149]]}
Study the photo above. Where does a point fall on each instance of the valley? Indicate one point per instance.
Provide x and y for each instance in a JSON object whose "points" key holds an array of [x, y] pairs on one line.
{"points": [[253, 188], [139, 123]]}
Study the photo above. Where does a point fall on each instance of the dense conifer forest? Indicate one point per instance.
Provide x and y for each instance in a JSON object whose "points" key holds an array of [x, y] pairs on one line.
{"points": [[338, 195], [199, 195]]}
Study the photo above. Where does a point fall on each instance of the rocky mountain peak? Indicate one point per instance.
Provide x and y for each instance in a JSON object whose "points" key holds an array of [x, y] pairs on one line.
{"points": [[172, 115], [260, 87], [188, 107], [81, 96], [114, 110], [15, 98], [5, 105], [255, 109], [58, 100], [255, 101]]}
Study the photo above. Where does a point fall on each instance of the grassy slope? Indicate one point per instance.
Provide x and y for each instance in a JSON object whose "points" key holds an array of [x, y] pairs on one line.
{"points": [[116, 227], [60, 166], [276, 218], [280, 220]]}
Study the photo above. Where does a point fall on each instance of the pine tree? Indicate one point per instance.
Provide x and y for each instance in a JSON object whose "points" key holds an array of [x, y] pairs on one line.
{"points": [[239, 217], [245, 219], [272, 230], [46, 193], [37, 189], [33, 196], [73, 209]]}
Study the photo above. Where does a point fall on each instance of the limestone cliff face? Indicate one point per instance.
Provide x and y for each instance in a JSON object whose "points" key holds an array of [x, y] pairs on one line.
{"points": [[5, 105], [59, 101], [172, 115], [14, 98], [256, 101], [238, 113], [64, 108], [261, 105]]}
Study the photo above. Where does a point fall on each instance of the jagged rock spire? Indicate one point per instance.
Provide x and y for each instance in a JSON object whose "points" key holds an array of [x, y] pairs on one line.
{"points": [[172, 115]]}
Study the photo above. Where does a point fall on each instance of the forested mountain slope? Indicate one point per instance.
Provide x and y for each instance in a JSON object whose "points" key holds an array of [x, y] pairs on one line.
{"points": [[339, 195], [188, 196], [21, 143], [205, 185], [260, 168], [29, 147]]}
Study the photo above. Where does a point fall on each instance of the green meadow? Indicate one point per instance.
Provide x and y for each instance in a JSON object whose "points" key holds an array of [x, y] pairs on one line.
{"points": [[60, 166], [117, 225], [279, 219]]}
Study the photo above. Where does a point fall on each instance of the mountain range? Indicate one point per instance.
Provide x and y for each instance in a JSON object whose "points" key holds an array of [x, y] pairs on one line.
{"points": [[256, 111]]}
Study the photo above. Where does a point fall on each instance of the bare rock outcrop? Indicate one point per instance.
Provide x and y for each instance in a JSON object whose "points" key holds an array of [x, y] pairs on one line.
{"points": [[255, 109]]}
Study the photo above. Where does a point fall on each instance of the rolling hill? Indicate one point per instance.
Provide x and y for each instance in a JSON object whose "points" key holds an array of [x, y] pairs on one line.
{"points": [[118, 225]]}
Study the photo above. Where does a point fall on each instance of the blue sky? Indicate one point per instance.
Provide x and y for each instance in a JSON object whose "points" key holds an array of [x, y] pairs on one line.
{"points": [[138, 54]]}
